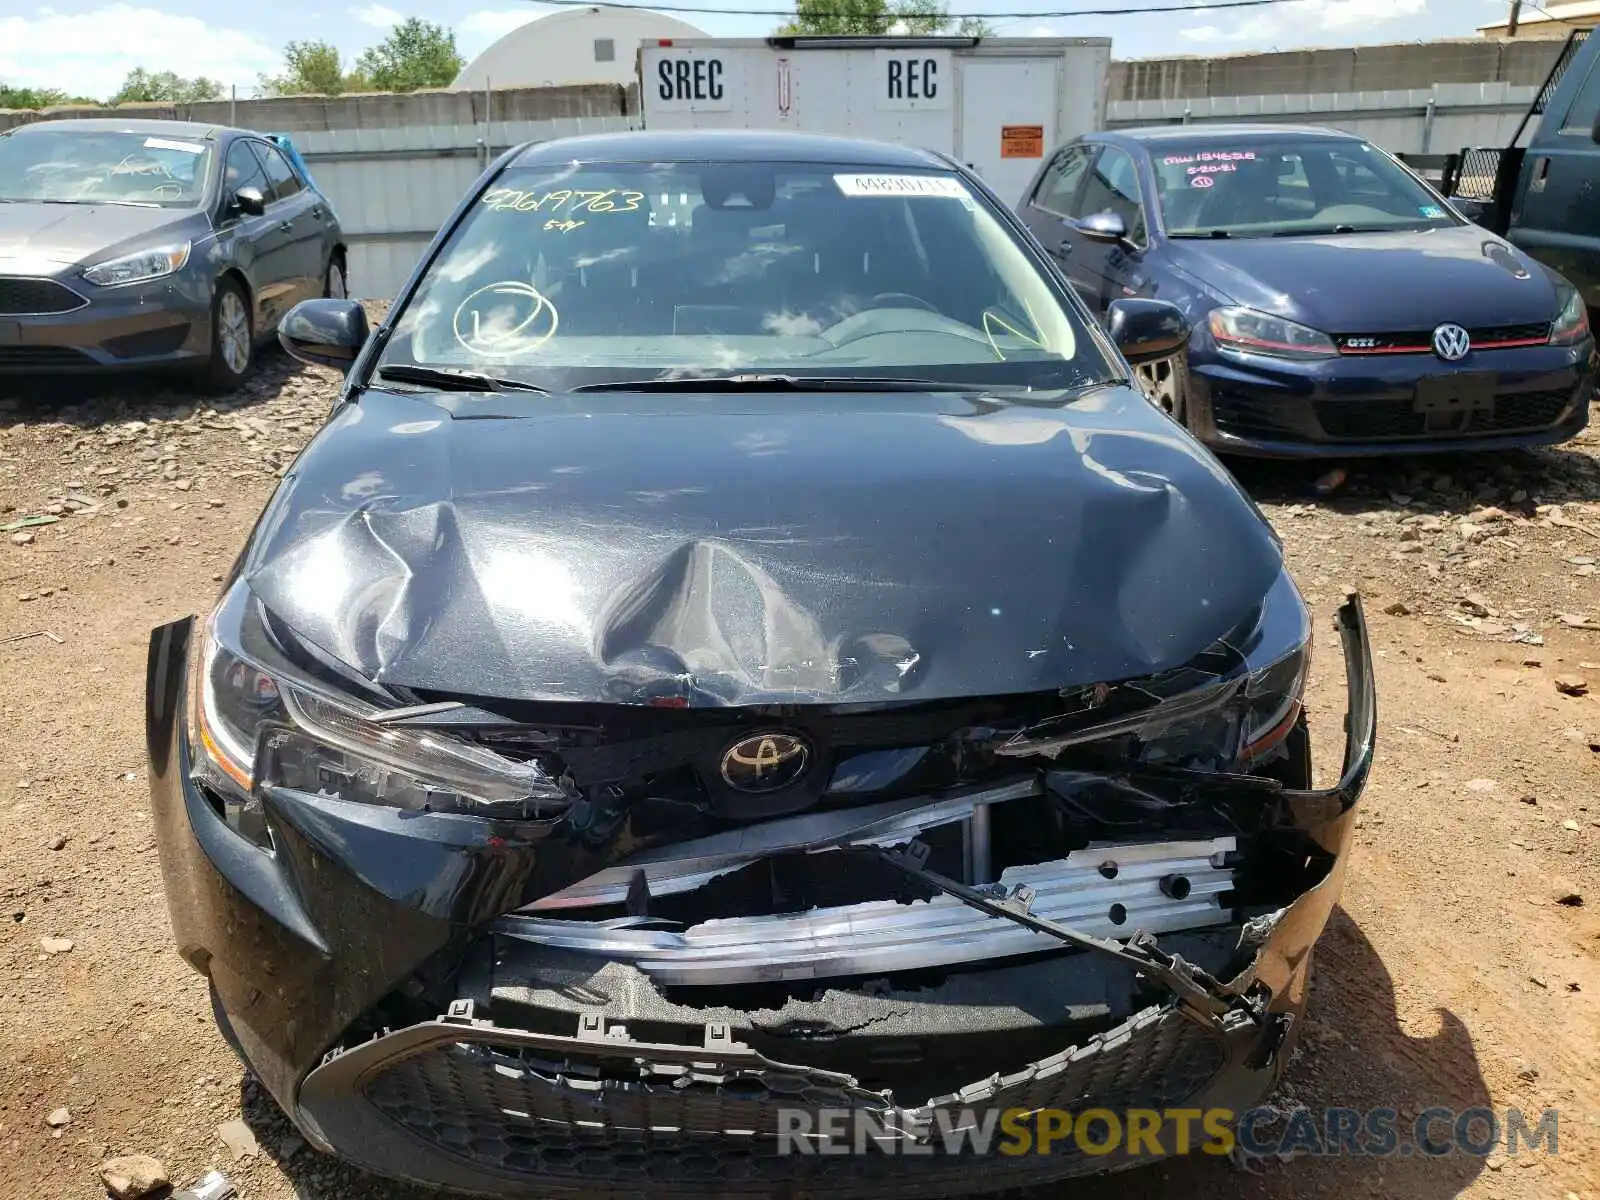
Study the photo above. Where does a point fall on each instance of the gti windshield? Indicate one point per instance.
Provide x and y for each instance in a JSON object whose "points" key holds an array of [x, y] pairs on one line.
{"points": [[44, 165], [1274, 187], [604, 273]]}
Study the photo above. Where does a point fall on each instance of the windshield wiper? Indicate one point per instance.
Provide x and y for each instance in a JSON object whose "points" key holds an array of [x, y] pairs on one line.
{"points": [[1202, 233], [448, 379], [1320, 232], [780, 383]]}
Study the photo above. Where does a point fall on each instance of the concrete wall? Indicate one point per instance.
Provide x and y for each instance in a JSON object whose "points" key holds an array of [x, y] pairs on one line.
{"points": [[320, 114], [1437, 120], [1520, 63]]}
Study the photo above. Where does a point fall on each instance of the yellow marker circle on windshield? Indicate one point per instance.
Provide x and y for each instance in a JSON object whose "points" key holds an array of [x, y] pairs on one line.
{"points": [[505, 318]]}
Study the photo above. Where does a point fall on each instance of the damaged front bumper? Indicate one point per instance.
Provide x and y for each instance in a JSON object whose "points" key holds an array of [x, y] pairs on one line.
{"points": [[631, 1055]]}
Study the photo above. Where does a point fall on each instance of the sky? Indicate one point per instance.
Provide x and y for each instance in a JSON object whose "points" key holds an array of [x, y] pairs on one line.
{"points": [[86, 47]]}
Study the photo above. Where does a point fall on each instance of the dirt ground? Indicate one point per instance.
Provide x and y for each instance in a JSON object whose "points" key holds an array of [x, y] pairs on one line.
{"points": [[1459, 972]]}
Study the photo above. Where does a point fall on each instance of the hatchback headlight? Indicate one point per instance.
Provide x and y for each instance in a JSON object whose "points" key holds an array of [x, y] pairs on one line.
{"points": [[1572, 325], [140, 267], [1252, 332], [255, 724]]}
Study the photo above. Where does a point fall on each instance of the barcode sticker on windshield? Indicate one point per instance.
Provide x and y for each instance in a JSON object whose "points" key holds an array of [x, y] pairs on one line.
{"points": [[902, 185], [167, 144]]}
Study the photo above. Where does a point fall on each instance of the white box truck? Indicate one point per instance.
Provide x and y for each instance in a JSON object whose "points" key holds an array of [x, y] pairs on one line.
{"points": [[996, 104]]}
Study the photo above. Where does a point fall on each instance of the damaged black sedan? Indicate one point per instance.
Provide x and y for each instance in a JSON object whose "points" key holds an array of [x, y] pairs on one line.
{"points": [[744, 660]]}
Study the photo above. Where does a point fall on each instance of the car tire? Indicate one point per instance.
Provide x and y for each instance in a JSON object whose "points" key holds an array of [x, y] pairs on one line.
{"points": [[232, 339], [336, 280], [1165, 384]]}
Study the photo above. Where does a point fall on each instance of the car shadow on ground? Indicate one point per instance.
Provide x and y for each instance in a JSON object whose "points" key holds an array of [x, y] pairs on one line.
{"points": [[1353, 1054], [92, 402], [1447, 485]]}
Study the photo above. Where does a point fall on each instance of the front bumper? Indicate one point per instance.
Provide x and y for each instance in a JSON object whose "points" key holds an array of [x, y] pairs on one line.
{"points": [[571, 1074], [1356, 406], [163, 323]]}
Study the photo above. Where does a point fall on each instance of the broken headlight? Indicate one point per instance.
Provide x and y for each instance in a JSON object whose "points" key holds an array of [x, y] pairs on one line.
{"points": [[1229, 708], [257, 720]]}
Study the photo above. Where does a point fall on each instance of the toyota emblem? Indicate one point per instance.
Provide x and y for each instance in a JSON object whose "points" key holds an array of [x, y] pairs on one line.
{"points": [[765, 762], [1451, 342]]}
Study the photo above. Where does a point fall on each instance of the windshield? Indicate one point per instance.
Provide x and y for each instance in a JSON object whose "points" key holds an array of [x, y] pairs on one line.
{"points": [[1282, 188], [102, 167], [618, 272]]}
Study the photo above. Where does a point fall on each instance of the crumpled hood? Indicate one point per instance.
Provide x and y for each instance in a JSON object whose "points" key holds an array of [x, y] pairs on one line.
{"points": [[802, 549], [53, 234], [1377, 282]]}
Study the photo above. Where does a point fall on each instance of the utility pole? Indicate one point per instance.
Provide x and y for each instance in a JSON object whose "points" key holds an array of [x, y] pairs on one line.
{"points": [[1516, 15]]}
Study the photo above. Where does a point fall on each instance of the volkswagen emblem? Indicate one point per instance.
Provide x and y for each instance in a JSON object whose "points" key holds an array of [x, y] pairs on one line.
{"points": [[1451, 342], [765, 762]]}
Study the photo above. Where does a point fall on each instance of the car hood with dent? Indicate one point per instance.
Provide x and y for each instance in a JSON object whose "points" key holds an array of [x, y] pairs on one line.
{"points": [[736, 549], [1377, 282], [56, 234]]}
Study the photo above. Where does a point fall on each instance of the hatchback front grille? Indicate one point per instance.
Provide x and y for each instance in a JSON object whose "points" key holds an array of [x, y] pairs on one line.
{"points": [[37, 297], [1488, 337]]}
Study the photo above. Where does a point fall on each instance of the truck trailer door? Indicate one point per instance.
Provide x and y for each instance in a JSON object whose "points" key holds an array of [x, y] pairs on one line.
{"points": [[1008, 119]]}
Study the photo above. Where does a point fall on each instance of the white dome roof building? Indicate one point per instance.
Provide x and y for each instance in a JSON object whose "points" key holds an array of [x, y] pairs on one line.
{"points": [[597, 44]]}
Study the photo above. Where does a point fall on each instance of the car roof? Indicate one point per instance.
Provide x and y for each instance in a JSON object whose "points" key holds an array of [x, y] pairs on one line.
{"points": [[193, 130], [727, 145], [1212, 133]]}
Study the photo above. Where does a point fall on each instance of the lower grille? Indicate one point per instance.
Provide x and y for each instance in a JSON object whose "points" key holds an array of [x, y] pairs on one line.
{"points": [[37, 297], [43, 358], [621, 1119], [1364, 419], [1238, 412], [148, 344]]}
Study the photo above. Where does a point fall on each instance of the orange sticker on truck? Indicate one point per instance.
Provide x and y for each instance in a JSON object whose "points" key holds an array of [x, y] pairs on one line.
{"points": [[1022, 141]]}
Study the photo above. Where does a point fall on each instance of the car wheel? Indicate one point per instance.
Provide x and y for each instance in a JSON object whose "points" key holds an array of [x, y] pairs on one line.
{"points": [[1165, 384], [333, 283], [232, 338]]}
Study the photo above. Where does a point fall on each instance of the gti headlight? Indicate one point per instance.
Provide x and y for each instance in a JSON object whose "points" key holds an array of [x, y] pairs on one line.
{"points": [[1230, 708], [140, 267], [1572, 325], [1252, 332], [256, 720]]}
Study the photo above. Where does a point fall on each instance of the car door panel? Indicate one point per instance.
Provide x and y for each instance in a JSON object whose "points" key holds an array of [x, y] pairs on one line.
{"points": [[1051, 209], [254, 243], [1560, 190], [300, 213], [1109, 269]]}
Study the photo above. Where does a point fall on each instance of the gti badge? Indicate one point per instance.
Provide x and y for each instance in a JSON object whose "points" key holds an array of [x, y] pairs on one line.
{"points": [[1451, 342], [765, 762]]}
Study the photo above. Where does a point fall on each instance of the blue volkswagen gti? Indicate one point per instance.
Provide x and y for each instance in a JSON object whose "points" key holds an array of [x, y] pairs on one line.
{"points": [[1339, 306], [743, 667]]}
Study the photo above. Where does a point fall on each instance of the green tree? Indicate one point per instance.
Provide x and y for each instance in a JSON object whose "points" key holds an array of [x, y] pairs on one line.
{"points": [[165, 87], [309, 69], [25, 97], [416, 54], [876, 18]]}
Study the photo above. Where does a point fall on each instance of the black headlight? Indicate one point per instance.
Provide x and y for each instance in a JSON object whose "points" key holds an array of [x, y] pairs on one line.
{"points": [[1229, 708], [256, 720]]}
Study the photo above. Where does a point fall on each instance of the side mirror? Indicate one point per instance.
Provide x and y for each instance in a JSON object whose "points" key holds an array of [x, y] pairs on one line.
{"points": [[250, 201], [325, 333], [1146, 330], [1104, 227], [1472, 210]]}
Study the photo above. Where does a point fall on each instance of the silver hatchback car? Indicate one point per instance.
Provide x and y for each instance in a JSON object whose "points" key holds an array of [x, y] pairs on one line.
{"points": [[137, 244]]}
